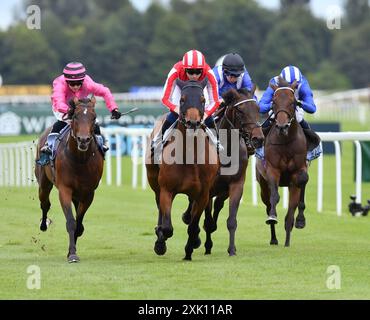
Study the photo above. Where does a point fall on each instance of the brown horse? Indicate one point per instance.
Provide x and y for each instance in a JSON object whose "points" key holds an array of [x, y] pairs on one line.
{"points": [[241, 113], [285, 161], [189, 166], [76, 172]]}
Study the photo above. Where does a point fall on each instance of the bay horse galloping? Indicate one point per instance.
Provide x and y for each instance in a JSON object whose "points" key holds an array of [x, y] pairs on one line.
{"points": [[189, 164], [285, 161], [241, 113], [76, 171]]}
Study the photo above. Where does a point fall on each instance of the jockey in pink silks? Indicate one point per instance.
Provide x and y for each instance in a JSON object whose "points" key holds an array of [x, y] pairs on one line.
{"points": [[74, 82]]}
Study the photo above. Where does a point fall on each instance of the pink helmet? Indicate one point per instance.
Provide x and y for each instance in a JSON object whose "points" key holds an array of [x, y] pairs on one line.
{"points": [[74, 71], [193, 59]]}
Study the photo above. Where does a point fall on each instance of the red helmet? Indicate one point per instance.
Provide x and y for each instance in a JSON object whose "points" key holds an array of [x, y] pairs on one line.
{"points": [[193, 59], [74, 71]]}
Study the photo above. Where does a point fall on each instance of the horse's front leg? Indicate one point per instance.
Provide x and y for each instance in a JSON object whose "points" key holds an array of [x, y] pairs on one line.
{"points": [[273, 177], [45, 187], [235, 192], [65, 198], [83, 205], [302, 179], [164, 229], [193, 228], [186, 216], [294, 194], [210, 224]]}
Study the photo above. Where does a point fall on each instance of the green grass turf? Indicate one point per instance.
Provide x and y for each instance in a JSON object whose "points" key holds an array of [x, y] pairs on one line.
{"points": [[118, 261]]}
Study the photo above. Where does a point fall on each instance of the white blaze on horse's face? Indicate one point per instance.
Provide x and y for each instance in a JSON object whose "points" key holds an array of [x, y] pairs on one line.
{"points": [[82, 129]]}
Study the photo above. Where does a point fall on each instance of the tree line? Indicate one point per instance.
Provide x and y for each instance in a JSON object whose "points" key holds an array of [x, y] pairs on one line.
{"points": [[123, 47]]}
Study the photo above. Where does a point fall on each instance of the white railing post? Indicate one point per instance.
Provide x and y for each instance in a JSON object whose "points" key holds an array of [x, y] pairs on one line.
{"points": [[358, 171], [118, 160], [320, 180], [338, 170], [254, 181]]}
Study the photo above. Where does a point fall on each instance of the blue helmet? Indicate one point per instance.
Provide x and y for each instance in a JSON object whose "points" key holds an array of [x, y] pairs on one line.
{"points": [[291, 73]]}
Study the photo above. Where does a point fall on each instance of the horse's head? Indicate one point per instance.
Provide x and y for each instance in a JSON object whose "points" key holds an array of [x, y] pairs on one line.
{"points": [[192, 102], [284, 104], [243, 113], [83, 118]]}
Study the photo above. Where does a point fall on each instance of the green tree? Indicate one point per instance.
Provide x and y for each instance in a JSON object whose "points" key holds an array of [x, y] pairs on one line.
{"points": [[357, 11], [27, 57], [351, 52], [328, 77], [172, 38]]}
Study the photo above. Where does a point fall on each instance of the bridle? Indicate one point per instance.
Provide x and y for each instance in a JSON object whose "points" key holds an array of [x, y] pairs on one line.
{"points": [[243, 133], [188, 124], [290, 116]]}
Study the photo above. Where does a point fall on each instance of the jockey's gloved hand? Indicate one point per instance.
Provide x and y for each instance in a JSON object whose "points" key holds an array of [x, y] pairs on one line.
{"points": [[116, 114], [222, 105], [299, 103]]}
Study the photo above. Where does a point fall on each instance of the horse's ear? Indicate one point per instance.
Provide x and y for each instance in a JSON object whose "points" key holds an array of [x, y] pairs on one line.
{"points": [[182, 99], [229, 96], [253, 88], [274, 86], [204, 82], [93, 100], [73, 102], [294, 85], [180, 83]]}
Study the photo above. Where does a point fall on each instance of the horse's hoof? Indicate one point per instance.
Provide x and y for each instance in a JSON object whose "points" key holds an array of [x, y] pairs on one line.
{"points": [[274, 242], [186, 218], [207, 252], [271, 220], [160, 248], [300, 224], [287, 244], [44, 226], [187, 258], [73, 258], [232, 252], [197, 243]]}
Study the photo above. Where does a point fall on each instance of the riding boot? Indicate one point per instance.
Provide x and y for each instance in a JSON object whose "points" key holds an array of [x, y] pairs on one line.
{"points": [[101, 142], [158, 138], [49, 143], [313, 141], [266, 127], [210, 130], [100, 138], [47, 149]]}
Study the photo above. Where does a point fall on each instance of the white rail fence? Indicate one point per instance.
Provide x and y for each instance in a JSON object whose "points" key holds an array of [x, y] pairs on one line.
{"points": [[140, 139], [17, 163]]}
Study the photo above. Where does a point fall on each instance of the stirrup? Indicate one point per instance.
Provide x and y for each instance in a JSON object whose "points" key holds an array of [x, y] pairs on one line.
{"points": [[46, 150], [44, 159]]}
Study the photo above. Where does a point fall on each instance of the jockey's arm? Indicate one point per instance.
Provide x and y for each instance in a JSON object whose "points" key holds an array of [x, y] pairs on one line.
{"points": [[212, 90], [168, 91], [58, 97], [248, 83], [306, 98], [101, 91], [266, 100]]}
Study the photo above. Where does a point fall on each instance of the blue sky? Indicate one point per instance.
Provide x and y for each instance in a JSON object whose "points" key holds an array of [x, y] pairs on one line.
{"points": [[319, 7]]}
